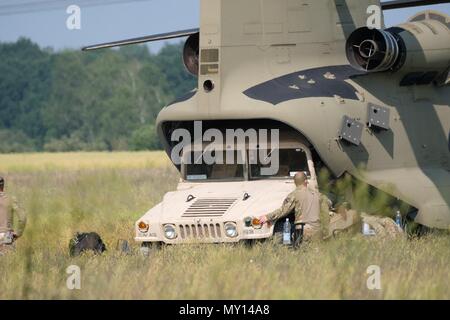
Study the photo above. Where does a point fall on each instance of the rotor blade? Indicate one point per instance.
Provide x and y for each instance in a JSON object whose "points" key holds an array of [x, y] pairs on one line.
{"points": [[388, 5], [156, 37], [399, 4]]}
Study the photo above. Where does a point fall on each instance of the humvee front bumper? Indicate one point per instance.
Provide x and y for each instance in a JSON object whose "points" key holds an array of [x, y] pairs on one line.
{"points": [[203, 231]]}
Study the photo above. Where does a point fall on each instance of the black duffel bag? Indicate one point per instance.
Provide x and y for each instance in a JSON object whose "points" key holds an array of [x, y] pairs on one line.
{"points": [[83, 242]]}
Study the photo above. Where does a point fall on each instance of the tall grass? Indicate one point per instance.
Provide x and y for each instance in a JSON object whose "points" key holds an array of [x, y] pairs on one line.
{"points": [[32, 162], [64, 199]]}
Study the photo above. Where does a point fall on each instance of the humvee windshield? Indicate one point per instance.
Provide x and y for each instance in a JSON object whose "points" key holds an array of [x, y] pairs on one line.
{"points": [[291, 162], [199, 170]]}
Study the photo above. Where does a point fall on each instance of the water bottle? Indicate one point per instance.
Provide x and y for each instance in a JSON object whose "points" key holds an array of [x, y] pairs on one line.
{"points": [[9, 238], [399, 219], [366, 229], [287, 232]]}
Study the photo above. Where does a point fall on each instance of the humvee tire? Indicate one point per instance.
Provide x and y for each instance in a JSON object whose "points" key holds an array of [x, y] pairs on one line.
{"points": [[149, 248]]}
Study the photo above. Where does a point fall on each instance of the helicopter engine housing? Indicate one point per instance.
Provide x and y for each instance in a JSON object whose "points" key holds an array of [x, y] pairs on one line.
{"points": [[191, 54], [410, 47]]}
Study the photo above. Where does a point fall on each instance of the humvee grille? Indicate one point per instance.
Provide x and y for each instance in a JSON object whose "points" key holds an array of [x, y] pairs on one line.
{"points": [[209, 207], [200, 231]]}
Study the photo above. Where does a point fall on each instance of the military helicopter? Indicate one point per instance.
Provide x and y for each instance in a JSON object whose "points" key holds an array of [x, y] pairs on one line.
{"points": [[367, 102]]}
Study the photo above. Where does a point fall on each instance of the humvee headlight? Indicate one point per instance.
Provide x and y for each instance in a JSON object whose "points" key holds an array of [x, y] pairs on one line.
{"points": [[170, 232], [231, 230], [143, 227]]}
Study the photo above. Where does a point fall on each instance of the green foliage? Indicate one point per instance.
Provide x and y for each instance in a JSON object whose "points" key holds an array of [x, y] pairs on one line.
{"points": [[70, 100], [24, 86], [15, 141], [356, 194], [145, 138]]}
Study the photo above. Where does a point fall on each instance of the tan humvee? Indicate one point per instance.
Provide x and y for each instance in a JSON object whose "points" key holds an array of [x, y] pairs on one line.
{"points": [[210, 200], [217, 203]]}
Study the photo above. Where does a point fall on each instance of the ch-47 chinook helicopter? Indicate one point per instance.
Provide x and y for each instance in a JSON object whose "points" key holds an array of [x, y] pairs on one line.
{"points": [[371, 103]]}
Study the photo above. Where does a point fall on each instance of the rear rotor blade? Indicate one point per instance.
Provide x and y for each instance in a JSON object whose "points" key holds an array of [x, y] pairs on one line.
{"points": [[399, 4], [388, 5], [156, 37]]}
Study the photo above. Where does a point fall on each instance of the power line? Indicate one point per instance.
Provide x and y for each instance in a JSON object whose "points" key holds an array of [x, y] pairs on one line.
{"points": [[35, 4], [31, 3], [46, 5], [17, 2]]}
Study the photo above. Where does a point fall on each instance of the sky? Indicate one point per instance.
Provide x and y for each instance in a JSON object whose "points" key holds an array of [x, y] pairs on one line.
{"points": [[118, 21]]}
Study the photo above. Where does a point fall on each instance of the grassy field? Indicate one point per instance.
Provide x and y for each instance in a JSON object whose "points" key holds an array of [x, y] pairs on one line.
{"points": [[106, 193], [32, 162]]}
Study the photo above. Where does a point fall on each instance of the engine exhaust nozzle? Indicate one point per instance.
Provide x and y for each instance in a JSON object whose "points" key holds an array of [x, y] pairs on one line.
{"points": [[372, 50]]}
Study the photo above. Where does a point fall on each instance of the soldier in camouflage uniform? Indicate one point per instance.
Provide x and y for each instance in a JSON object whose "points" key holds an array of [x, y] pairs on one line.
{"points": [[9, 208], [304, 201], [383, 227]]}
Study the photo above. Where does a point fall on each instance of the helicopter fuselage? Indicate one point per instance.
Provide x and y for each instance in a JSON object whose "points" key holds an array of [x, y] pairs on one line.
{"points": [[390, 134]]}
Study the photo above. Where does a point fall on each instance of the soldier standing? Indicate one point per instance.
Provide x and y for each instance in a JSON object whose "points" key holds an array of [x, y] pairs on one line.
{"points": [[9, 208], [304, 201]]}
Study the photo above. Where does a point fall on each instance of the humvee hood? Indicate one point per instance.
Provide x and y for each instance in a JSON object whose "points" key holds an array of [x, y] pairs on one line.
{"points": [[224, 200]]}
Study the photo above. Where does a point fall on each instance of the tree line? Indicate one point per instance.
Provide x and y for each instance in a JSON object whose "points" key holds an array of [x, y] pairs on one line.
{"points": [[71, 100]]}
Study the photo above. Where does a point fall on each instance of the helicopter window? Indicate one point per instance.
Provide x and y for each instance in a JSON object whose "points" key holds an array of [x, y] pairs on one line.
{"points": [[202, 171], [440, 18], [291, 162], [419, 18]]}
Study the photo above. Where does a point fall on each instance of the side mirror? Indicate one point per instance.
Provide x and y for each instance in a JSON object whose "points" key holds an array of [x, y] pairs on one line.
{"points": [[308, 174]]}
